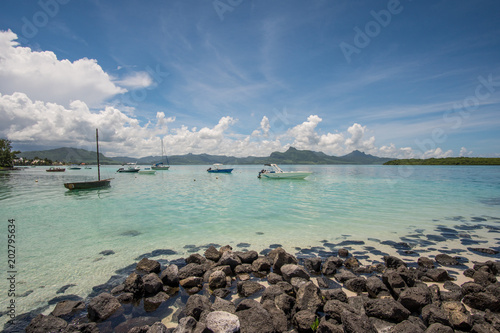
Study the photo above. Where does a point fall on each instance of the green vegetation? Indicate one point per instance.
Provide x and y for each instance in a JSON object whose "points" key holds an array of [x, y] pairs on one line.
{"points": [[7, 156], [69, 156], [447, 161]]}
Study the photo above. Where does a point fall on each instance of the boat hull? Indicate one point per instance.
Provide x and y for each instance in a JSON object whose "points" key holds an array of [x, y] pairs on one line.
{"points": [[147, 172], [88, 185], [55, 170], [286, 175], [220, 171], [128, 170], [165, 168]]}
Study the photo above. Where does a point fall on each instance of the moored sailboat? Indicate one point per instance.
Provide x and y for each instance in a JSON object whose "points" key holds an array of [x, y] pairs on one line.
{"points": [[99, 183]]}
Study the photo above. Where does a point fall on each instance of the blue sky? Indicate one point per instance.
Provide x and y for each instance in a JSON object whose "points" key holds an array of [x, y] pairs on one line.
{"points": [[240, 77]]}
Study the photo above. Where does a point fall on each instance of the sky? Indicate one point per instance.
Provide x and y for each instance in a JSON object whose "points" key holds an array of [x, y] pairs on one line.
{"points": [[402, 79]]}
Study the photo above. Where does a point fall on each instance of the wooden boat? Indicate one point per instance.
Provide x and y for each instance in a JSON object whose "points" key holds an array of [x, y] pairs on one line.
{"points": [[161, 166], [218, 168], [275, 172], [99, 183], [52, 169]]}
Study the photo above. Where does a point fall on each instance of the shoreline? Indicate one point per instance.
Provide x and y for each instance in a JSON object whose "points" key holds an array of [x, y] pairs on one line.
{"points": [[369, 252]]}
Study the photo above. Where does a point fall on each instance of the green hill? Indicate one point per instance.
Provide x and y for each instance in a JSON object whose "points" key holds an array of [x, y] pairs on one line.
{"points": [[68, 155], [447, 161]]}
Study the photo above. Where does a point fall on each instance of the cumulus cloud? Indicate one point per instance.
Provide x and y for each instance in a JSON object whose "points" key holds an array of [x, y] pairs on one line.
{"points": [[26, 121], [44, 77]]}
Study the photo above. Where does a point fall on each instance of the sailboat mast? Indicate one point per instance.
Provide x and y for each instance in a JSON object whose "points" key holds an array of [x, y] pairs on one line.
{"points": [[97, 142]]}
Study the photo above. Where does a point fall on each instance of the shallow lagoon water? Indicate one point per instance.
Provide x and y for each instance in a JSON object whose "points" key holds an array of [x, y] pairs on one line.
{"points": [[60, 234]]}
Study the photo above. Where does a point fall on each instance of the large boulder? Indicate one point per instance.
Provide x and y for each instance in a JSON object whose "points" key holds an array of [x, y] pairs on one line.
{"points": [[254, 318], [248, 257], [446, 260], [386, 309], [282, 258], [309, 297], [42, 324], [217, 280], [229, 258], [223, 322], [290, 271], [152, 284], [331, 265], [223, 305], [103, 307], [196, 304], [67, 309], [415, 298], [134, 284], [148, 266], [191, 270], [482, 301], [434, 314], [170, 276], [247, 288], [313, 264], [304, 320], [357, 285], [334, 309], [186, 325], [196, 259], [212, 253], [393, 262], [376, 288], [261, 265], [354, 323], [152, 303]]}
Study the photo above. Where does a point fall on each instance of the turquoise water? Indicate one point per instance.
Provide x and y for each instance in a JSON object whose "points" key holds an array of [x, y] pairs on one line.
{"points": [[60, 234]]}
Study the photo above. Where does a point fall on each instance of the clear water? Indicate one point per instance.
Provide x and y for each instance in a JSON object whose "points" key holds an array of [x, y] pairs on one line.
{"points": [[59, 234]]}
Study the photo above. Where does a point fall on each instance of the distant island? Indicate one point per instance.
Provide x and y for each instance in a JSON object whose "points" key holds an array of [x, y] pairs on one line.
{"points": [[291, 156], [447, 161]]}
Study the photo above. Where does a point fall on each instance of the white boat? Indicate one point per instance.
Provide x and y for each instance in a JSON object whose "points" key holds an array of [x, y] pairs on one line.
{"points": [[275, 172], [147, 171], [129, 169], [219, 168]]}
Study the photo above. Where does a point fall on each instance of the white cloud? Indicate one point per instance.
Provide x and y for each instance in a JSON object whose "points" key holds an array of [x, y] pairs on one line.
{"points": [[23, 120], [136, 80], [464, 152], [43, 77]]}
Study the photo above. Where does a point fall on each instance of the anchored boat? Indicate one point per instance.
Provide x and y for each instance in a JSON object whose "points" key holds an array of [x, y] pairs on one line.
{"points": [[275, 172], [219, 168]]}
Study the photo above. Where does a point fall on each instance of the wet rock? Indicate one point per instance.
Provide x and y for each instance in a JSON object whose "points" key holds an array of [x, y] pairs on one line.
{"points": [[103, 307], [446, 260], [483, 250], [42, 324], [290, 271], [152, 303], [247, 288], [357, 285], [223, 322], [309, 297], [352, 263], [393, 262], [170, 276], [415, 298], [223, 305], [437, 275], [386, 309], [229, 258], [134, 284], [313, 264], [67, 309], [148, 266], [343, 253], [212, 254], [343, 275], [331, 265], [303, 320], [376, 288], [196, 304], [281, 258], [254, 318], [353, 323], [432, 313], [191, 270], [217, 280], [482, 301], [248, 257], [196, 258], [191, 282], [261, 265], [425, 262], [152, 284]]}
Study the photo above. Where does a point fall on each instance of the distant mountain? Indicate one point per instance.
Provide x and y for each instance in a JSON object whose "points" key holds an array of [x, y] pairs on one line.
{"points": [[68, 155], [291, 156], [358, 157]]}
